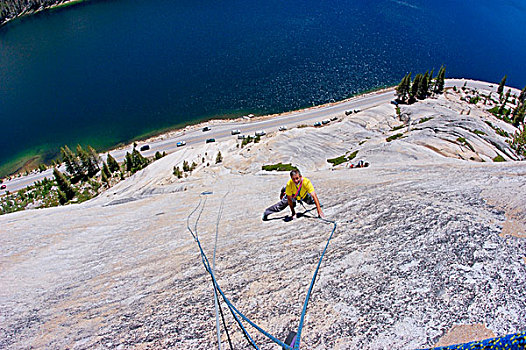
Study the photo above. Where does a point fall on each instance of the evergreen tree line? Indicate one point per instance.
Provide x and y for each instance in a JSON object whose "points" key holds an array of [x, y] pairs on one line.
{"points": [[517, 116], [518, 113], [84, 164], [422, 86], [135, 161], [12, 8]]}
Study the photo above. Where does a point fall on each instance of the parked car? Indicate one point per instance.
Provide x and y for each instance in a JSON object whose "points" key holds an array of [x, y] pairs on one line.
{"points": [[240, 137], [145, 148], [283, 128], [210, 140], [3, 187], [207, 128], [394, 102], [260, 133], [334, 118], [181, 143], [317, 124], [325, 121], [235, 132]]}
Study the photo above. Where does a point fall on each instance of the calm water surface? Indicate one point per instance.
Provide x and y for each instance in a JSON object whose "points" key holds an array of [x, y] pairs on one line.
{"points": [[105, 72]]}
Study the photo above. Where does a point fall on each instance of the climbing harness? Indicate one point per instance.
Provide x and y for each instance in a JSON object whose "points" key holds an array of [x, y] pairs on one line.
{"points": [[290, 344]]}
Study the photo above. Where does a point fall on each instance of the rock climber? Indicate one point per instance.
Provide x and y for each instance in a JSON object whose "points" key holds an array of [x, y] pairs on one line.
{"points": [[298, 188]]}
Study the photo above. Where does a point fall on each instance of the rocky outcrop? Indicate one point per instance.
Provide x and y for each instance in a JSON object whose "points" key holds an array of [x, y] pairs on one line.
{"points": [[419, 249]]}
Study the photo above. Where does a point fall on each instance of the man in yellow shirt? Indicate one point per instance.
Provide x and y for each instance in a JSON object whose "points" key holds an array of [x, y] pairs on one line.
{"points": [[298, 188]]}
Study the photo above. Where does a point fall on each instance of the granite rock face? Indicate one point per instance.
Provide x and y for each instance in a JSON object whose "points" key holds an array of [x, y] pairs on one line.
{"points": [[419, 247]]}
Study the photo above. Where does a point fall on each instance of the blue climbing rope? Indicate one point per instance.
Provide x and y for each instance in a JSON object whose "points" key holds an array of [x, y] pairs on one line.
{"points": [[234, 311], [304, 310], [515, 341]]}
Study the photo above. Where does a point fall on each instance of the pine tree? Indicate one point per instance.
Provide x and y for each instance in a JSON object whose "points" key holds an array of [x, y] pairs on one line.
{"points": [[518, 117], [430, 78], [138, 161], [219, 157], [522, 96], [422, 87], [112, 164], [402, 90], [104, 177], [177, 172], [84, 159], [414, 87], [186, 167], [440, 80], [71, 161], [500, 89], [64, 185], [106, 170], [94, 159], [128, 161]]}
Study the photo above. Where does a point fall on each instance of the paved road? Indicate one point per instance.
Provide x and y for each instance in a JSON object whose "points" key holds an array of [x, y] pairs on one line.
{"points": [[222, 131]]}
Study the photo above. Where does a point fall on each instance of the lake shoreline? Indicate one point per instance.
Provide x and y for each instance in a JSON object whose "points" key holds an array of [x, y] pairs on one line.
{"points": [[26, 13], [31, 160]]}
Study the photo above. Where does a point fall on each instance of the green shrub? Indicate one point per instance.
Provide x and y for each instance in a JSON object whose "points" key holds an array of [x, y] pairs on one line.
{"points": [[478, 132], [337, 160], [423, 120], [177, 172], [279, 167], [398, 127], [499, 158], [394, 137], [466, 143], [352, 155], [474, 100], [342, 159]]}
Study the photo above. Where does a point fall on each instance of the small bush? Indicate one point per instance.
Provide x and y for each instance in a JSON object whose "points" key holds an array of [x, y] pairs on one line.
{"points": [[478, 132], [466, 143], [423, 120], [398, 127], [474, 100], [342, 159], [394, 137], [337, 160], [352, 155], [177, 172], [499, 158], [279, 167]]}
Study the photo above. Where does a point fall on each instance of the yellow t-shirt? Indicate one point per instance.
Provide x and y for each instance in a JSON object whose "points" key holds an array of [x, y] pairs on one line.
{"points": [[292, 189]]}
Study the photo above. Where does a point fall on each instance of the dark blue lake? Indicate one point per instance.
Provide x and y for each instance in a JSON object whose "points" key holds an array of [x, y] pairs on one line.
{"points": [[105, 72]]}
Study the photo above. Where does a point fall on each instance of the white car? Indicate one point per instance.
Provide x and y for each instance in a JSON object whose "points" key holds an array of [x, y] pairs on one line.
{"points": [[235, 132], [181, 143], [283, 128], [317, 124], [260, 133]]}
